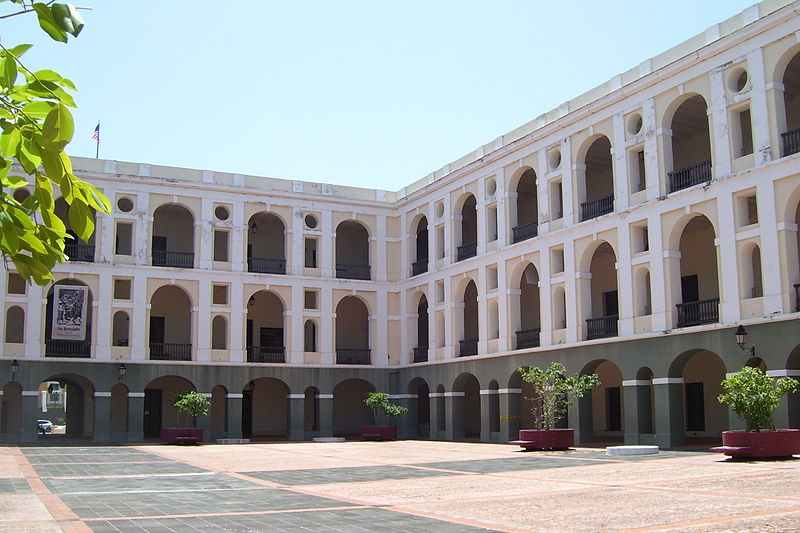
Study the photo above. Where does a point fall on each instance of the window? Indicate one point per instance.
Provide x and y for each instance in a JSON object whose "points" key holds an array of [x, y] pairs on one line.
{"points": [[125, 204], [220, 246], [557, 260], [122, 289], [220, 295], [556, 200], [637, 170], [440, 249], [640, 238], [310, 336], [439, 291], [124, 240], [746, 205], [16, 284], [310, 300], [219, 333], [491, 221], [746, 133], [491, 277], [15, 325], [120, 326], [311, 253], [752, 210], [222, 213]]}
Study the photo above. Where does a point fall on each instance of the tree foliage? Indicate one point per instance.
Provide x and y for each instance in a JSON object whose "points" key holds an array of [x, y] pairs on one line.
{"points": [[37, 125], [193, 403], [554, 391], [754, 396], [379, 402]]}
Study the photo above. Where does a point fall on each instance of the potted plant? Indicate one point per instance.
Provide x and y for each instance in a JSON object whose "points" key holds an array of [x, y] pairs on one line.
{"points": [[382, 406], [754, 396], [553, 392], [190, 403]]}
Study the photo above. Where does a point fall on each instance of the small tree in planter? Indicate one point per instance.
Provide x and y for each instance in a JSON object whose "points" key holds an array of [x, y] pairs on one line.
{"points": [[381, 405], [553, 393], [754, 396], [191, 403]]}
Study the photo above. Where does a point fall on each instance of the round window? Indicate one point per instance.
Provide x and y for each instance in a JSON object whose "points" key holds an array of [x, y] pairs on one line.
{"points": [[221, 212], [125, 204], [737, 80], [491, 187], [311, 221], [439, 209], [635, 124], [555, 159]]}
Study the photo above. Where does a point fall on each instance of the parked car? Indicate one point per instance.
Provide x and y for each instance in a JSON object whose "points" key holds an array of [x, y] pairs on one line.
{"points": [[44, 426]]}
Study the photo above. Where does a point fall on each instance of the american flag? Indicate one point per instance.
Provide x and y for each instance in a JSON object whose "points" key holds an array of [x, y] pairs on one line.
{"points": [[96, 133]]}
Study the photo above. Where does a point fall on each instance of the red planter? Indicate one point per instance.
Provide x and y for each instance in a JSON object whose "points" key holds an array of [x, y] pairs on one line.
{"points": [[546, 439], [760, 444], [379, 432], [181, 435]]}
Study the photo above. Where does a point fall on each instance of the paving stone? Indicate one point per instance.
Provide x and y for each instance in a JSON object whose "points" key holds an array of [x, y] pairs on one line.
{"points": [[94, 458], [115, 469], [195, 482], [342, 475], [14, 485], [526, 462]]}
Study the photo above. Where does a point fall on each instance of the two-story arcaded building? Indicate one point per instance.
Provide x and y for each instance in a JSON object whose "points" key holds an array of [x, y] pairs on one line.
{"points": [[629, 232]]}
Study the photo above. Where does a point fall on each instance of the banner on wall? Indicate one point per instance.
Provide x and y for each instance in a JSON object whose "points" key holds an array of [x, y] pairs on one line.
{"points": [[69, 312]]}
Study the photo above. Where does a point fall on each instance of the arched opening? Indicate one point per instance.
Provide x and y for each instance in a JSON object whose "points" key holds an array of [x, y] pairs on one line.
{"points": [[310, 336], [691, 145], [699, 280], [68, 322], [441, 414], [601, 412], [421, 350], [15, 325], [468, 345], [420, 409], [529, 309], [311, 410], [757, 362], [219, 333], [218, 413], [604, 300], [11, 411], [170, 335], [420, 265], [466, 407], [598, 198], [352, 332], [65, 407], [751, 285], [349, 411], [265, 409], [264, 329], [642, 291], [120, 329], [646, 401], [524, 406], [119, 412], [266, 244], [160, 396], [469, 229], [559, 308], [494, 407], [702, 372], [527, 212], [790, 139], [74, 248], [173, 237], [352, 251]]}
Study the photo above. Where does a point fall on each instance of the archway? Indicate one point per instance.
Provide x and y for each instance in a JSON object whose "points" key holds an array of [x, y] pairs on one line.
{"points": [[120, 329], [67, 402], [71, 301], [420, 264], [603, 309], [790, 137], [691, 145], [598, 183], [601, 412], [529, 309], [468, 345], [527, 208], [466, 407], [421, 350], [352, 332], [264, 329], [420, 411], [119, 412], [160, 396], [15, 325], [698, 287], [170, 334], [310, 336], [702, 372], [266, 244], [173, 237], [349, 411], [352, 251], [265, 409], [219, 333], [218, 413], [469, 229]]}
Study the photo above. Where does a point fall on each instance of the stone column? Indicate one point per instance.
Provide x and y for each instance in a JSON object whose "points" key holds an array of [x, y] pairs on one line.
{"points": [[727, 261], [135, 416], [102, 417], [435, 400], [139, 327], [619, 157], [718, 128], [237, 321], [31, 407], [204, 321], [651, 160], [297, 419], [33, 322], [486, 415], [326, 326], [453, 404], [570, 290], [325, 415], [567, 178], [204, 423], [327, 246], [669, 419], [102, 318], [759, 110], [510, 414], [635, 409], [625, 281], [234, 414], [407, 426]]}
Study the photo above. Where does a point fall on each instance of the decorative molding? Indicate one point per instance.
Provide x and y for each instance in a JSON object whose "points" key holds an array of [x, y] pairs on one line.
{"points": [[636, 382], [667, 381], [102, 395], [135, 395]]}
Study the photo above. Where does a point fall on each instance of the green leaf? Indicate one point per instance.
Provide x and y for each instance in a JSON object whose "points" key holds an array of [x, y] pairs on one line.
{"points": [[48, 23], [38, 109], [9, 141], [81, 220], [9, 72], [67, 18], [20, 49], [34, 244], [59, 127], [14, 182]]}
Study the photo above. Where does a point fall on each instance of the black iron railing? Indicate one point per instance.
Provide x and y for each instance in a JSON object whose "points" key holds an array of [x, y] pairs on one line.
{"points": [[791, 142], [596, 208], [468, 347], [353, 271], [601, 328], [419, 267], [79, 251], [420, 354], [525, 232], [689, 176], [170, 351], [67, 348], [266, 354], [797, 297], [264, 265], [700, 312], [167, 258], [527, 338], [465, 251], [353, 356]]}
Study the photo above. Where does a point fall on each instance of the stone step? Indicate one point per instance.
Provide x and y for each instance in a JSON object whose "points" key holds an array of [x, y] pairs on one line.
{"points": [[631, 450]]}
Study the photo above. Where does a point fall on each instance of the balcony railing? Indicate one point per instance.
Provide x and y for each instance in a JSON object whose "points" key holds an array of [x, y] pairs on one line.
{"points": [[419, 267], [79, 251], [266, 354], [602, 328], [528, 338], [797, 297], [66, 348], [467, 347], [170, 351], [596, 208], [263, 265], [353, 356], [420, 354], [791, 142], [166, 258], [696, 313], [525, 232], [690, 176], [352, 271], [465, 251]]}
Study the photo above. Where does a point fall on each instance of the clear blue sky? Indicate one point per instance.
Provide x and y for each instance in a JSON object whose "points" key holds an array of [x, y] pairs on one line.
{"points": [[373, 94]]}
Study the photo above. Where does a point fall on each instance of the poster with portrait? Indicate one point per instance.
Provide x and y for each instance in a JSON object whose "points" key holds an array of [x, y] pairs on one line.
{"points": [[69, 312]]}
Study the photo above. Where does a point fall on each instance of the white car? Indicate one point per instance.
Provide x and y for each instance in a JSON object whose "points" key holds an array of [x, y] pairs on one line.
{"points": [[45, 425]]}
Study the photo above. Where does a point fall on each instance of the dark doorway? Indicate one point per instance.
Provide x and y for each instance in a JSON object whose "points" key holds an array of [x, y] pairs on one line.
{"points": [[152, 413], [247, 414], [613, 409], [695, 407], [249, 332], [271, 337], [610, 303], [157, 329], [690, 290]]}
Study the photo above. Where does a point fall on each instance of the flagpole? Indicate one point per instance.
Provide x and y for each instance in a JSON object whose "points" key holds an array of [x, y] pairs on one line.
{"points": [[97, 149]]}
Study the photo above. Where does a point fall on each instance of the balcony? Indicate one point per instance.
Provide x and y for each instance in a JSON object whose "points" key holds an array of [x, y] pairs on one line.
{"points": [[266, 266], [421, 354], [353, 271], [79, 251], [266, 354], [690, 176], [790, 142], [597, 208], [527, 338], [525, 232], [67, 348], [696, 313], [352, 356], [467, 347], [166, 258], [602, 328], [465, 251], [419, 267], [170, 351]]}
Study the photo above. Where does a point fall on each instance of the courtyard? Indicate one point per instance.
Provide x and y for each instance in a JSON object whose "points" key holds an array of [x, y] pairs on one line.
{"points": [[411, 486]]}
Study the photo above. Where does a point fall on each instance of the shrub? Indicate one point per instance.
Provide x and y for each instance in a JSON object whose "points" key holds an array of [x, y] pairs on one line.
{"points": [[379, 403], [754, 396], [192, 403], [553, 391]]}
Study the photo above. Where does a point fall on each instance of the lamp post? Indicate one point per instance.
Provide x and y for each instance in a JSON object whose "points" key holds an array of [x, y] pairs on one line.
{"points": [[741, 341], [14, 369], [122, 370]]}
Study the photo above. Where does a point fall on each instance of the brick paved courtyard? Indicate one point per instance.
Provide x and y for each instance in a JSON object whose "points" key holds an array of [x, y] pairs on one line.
{"points": [[410, 486]]}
